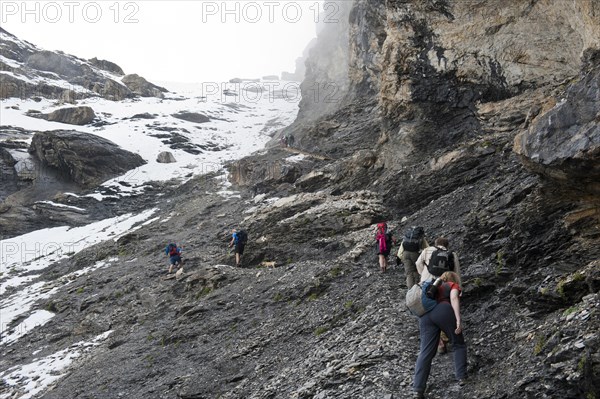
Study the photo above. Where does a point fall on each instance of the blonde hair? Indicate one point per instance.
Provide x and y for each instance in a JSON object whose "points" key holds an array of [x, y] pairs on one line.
{"points": [[451, 277]]}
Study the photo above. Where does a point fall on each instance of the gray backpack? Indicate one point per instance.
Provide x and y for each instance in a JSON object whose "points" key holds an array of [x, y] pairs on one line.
{"points": [[441, 261]]}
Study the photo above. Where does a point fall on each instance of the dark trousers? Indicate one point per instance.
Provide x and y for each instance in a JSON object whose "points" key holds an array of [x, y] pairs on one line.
{"points": [[441, 318]]}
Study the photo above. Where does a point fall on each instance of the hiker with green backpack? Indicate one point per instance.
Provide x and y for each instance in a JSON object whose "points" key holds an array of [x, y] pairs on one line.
{"points": [[412, 244]]}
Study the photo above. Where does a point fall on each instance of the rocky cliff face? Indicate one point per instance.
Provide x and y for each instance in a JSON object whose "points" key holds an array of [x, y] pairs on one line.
{"points": [[479, 120]]}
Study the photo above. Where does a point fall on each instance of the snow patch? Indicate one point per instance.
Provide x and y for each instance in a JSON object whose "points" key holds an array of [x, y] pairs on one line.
{"points": [[28, 380]]}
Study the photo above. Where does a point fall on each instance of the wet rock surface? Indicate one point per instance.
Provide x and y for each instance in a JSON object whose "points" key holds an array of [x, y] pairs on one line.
{"points": [[166, 157]]}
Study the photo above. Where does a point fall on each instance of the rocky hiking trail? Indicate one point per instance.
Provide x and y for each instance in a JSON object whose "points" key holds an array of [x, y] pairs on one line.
{"points": [[327, 328], [296, 150]]}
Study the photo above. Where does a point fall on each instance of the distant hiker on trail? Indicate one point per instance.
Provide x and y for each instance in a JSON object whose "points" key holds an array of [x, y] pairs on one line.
{"points": [[174, 254], [238, 240], [284, 141], [290, 140], [412, 244], [445, 316], [385, 241], [436, 260]]}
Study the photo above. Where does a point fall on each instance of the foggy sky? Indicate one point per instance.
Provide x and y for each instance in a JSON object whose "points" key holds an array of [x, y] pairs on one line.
{"points": [[185, 41]]}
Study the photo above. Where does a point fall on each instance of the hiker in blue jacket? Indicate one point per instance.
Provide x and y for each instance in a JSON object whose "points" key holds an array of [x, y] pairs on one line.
{"points": [[174, 254], [238, 239]]}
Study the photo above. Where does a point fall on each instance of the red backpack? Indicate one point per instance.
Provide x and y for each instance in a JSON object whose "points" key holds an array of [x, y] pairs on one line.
{"points": [[382, 237], [172, 250]]}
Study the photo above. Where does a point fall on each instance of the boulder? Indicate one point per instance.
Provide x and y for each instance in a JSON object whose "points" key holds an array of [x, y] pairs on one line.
{"points": [[166, 157], [68, 96], [107, 66], [10, 86], [112, 90], [73, 115], [87, 159], [26, 169], [142, 87], [564, 143], [7, 171], [290, 77], [144, 115], [191, 117]]}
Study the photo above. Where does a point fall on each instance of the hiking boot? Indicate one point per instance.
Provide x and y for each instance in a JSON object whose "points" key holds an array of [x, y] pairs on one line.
{"points": [[462, 381], [441, 348], [418, 395]]}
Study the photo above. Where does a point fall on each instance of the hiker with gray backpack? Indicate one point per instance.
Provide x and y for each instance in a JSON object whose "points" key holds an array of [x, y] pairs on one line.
{"points": [[412, 244], [436, 260]]}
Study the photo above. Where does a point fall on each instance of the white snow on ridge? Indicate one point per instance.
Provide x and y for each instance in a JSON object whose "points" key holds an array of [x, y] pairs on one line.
{"points": [[21, 302], [28, 380], [38, 250], [9, 62], [36, 319], [56, 204]]}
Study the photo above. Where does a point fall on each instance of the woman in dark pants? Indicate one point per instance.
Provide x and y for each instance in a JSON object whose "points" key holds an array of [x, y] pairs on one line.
{"points": [[444, 317]]}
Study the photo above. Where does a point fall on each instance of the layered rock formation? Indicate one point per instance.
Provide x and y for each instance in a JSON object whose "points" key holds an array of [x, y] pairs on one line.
{"points": [[564, 142], [467, 114], [142, 87]]}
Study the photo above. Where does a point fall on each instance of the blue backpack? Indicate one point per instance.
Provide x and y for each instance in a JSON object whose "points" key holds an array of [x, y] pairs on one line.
{"points": [[417, 300], [412, 239], [242, 237]]}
